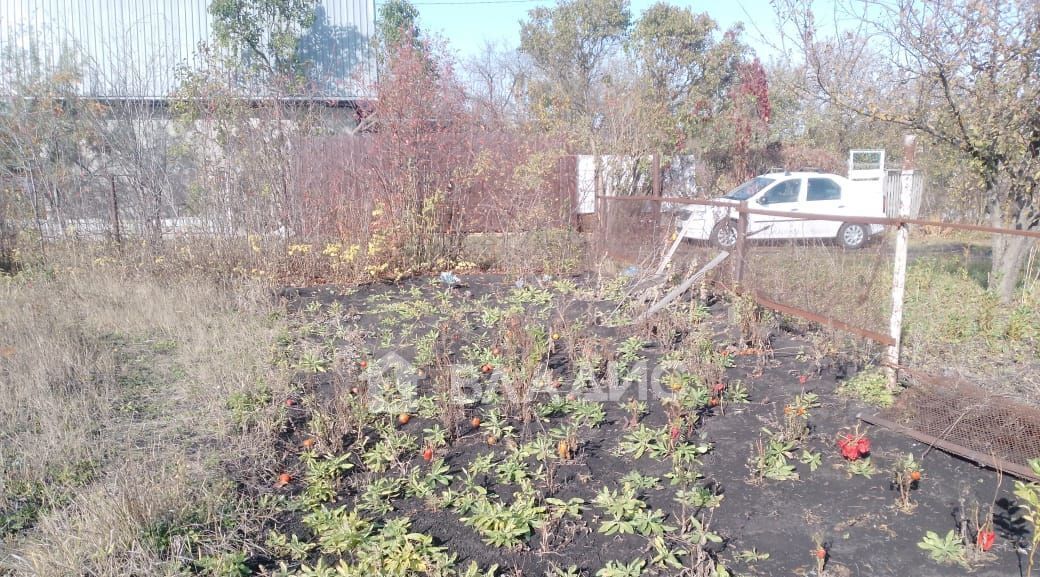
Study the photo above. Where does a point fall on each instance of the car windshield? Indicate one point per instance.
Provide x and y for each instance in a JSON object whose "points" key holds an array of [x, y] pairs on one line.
{"points": [[749, 188]]}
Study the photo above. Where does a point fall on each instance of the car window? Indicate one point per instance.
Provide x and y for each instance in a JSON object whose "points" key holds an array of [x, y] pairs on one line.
{"points": [[749, 188], [823, 189], [786, 191]]}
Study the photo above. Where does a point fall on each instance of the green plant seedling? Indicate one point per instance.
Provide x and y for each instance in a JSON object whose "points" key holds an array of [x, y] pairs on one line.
{"points": [[870, 386], [948, 549], [621, 569]]}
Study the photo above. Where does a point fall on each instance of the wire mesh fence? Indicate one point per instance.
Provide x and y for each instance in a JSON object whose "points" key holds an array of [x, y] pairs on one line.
{"points": [[819, 275], [972, 361], [303, 190], [985, 426], [633, 232], [953, 320], [814, 274]]}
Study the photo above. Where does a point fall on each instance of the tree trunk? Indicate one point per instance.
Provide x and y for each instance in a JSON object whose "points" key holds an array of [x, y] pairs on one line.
{"points": [[1010, 252], [157, 231], [37, 217], [115, 213], [1008, 268]]}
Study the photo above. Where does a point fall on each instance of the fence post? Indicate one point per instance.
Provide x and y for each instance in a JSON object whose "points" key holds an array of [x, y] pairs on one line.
{"points": [[740, 249], [115, 211], [895, 324]]}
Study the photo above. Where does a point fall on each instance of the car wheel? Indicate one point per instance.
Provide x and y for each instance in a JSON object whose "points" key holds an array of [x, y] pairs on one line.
{"points": [[852, 236], [724, 235]]}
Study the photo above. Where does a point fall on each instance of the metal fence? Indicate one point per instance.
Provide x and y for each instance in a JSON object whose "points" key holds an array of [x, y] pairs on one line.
{"points": [[317, 189], [970, 359], [140, 49], [637, 229], [804, 275]]}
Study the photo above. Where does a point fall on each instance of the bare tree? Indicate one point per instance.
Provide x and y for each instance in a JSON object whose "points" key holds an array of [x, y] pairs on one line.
{"points": [[496, 80], [41, 128], [963, 73], [136, 146]]}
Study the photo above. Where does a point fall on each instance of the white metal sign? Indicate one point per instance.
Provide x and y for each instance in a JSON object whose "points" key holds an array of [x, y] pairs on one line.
{"points": [[866, 164]]}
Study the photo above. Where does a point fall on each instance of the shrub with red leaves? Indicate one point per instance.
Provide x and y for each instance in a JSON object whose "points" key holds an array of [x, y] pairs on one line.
{"points": [[853, 446]]}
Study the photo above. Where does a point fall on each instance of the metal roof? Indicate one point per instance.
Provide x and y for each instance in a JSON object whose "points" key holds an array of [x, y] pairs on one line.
{"points": [[135, 48]]}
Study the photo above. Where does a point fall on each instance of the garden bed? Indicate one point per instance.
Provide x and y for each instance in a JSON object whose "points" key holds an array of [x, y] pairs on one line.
{"points": [[738, 468]]}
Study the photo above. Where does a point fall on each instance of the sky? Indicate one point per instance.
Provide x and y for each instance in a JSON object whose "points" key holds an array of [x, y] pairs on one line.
{"points": [[469, 24]]}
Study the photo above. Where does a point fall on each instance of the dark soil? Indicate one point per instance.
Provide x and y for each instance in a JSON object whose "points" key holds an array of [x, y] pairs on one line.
{"points": [[865, 535]]}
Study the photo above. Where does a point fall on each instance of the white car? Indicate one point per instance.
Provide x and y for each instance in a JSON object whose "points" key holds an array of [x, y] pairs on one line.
{"points": [[794, 192]]}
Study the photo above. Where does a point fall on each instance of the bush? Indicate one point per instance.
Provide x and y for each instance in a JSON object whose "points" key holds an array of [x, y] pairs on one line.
{"points": [[869, 386]]}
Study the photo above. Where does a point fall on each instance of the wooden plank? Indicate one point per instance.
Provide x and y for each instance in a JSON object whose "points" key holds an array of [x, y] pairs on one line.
{"points": [[682, 288], [768, 303], [741, 248], [900, 255], [668, 255]]}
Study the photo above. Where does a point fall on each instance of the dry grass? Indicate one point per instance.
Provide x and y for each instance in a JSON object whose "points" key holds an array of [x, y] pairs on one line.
{"points": [[550, 251], [952, 324], [116, 438], [954, 327]]}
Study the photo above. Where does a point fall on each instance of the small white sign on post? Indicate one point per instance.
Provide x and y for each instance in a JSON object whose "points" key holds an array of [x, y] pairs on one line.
{"points": [[866, 165]]}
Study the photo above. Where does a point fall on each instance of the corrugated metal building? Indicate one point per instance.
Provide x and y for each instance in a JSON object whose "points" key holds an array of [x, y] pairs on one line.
{"points": [[134, 48]]}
